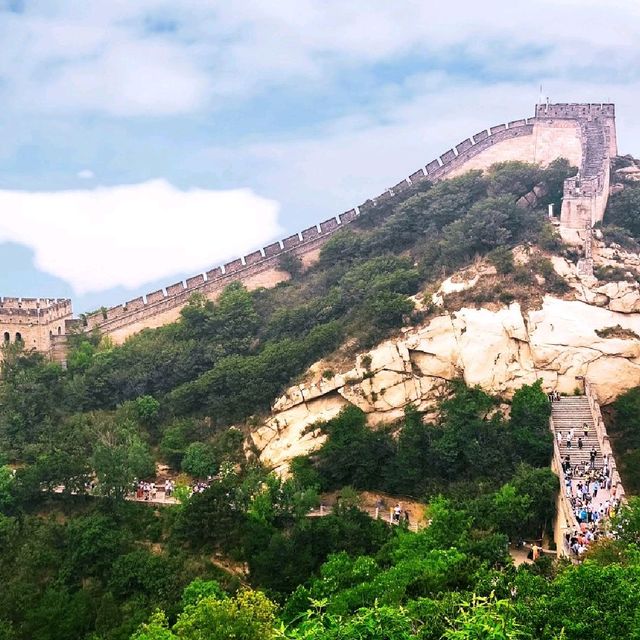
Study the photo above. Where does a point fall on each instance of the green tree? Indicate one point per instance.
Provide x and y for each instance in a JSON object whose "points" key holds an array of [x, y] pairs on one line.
{"points": [[7, 478], [510, 510], [512, 178], [291, 264], [199, 589], [200, 460], [530, 411], [156, 629], [486, 619], [147, 409], [623, 210], [250, 615], [119, 457]]}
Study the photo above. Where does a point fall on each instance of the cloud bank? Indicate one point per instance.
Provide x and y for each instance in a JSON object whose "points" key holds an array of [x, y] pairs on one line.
{"points": [[159, 58], [129, 235]]}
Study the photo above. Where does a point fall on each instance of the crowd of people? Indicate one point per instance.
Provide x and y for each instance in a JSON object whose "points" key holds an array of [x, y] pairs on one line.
{"points": [[588, 487], [149, 490], [200, 486]]}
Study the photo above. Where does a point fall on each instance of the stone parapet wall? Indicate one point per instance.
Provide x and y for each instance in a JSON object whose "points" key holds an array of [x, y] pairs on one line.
{"points": [[306, 244], [553, 132], [585, 195], [575, 110], [565, 516], [41, 310]]}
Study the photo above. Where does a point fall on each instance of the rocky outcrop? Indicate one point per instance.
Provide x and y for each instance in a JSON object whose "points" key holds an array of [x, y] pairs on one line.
{"points": [[497, 350], [592, 333]]}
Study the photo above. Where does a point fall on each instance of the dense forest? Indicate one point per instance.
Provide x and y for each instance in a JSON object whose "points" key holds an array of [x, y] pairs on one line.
{"points": [[242, 559]]}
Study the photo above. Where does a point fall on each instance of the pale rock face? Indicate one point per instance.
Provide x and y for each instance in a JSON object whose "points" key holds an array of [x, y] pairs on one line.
{"points": [[497, 350], [287, 433], [461, 281], [620, 296], [630, 173]]}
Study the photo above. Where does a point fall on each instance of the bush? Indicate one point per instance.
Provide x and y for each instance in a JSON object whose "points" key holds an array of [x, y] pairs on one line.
{"points": [[200, 460], [502, 259], [608, 273], [623, 210], [290, 263]]}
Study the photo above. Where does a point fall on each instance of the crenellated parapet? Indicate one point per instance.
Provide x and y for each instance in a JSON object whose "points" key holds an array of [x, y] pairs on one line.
{"points": [[575, 110], [585, 195], [39, 310], [555, 130], [583, 133]]}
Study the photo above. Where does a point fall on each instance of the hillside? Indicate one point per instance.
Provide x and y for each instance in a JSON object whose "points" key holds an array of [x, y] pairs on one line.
{"points": [[412, 358]]}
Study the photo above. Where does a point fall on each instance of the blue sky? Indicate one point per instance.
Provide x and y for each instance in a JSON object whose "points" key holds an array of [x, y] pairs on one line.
{"points": [[145, 141]]}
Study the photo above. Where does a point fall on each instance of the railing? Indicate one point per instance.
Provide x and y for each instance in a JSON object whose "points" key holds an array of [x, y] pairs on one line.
{"points": [[374, 513], [565, 510]]}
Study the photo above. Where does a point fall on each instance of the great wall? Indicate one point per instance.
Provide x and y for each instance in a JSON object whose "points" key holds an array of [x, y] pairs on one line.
{"points": [[584, 134]]}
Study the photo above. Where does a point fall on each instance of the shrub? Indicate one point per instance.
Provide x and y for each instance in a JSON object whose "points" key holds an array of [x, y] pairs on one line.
{"points": [[502, 259], [199, 460], [609, 273]]}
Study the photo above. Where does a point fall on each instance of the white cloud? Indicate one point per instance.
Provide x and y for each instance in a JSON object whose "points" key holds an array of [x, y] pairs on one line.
{"points": [[128, 235], [85, 174], [109, 58]]}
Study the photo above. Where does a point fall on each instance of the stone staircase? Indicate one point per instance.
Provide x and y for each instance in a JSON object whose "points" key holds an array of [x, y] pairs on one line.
{"points": [[595, 148], [572, 412]]}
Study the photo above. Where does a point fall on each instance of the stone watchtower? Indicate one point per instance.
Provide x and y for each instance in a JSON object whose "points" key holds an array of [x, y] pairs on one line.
{"points": [[39, 323], [585, 195]]}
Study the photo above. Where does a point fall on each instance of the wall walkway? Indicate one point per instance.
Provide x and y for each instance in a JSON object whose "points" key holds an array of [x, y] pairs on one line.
{"points": [[573, 412]]}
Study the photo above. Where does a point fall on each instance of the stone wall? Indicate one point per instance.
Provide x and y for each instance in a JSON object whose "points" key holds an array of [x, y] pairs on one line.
{"points": [[585, 195], [260, 268], [555, 131]]}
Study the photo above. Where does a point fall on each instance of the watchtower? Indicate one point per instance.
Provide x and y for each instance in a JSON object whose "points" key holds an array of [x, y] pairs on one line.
{"points": [[38, 323]]}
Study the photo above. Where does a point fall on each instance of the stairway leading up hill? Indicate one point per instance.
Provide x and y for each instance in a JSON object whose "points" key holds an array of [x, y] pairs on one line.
{"points": [[572, 412]]}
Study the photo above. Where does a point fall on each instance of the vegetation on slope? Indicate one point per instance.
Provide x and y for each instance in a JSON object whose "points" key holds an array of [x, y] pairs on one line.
{"points": [[77, 566], [102, 566], [624, 430], [621, 223]]}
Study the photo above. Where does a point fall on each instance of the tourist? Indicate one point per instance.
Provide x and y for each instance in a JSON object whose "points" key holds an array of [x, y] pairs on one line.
{"points": [[585, 427], [592, 455], [397, 510], [579, 443]]}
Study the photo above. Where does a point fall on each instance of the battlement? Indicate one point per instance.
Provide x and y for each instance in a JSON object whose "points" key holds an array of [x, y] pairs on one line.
{"points": [[39, 310], [466, 154], [575, 111], [583, 133]]}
